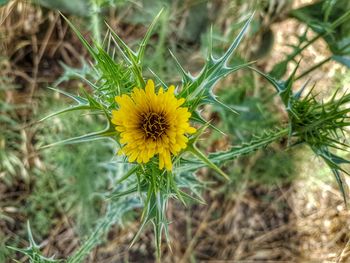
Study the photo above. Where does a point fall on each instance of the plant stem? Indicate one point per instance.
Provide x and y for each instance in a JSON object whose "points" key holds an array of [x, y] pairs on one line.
{"points": [[313, 68], [95, 20], [250, 147], [219, 158], [334, 25]]}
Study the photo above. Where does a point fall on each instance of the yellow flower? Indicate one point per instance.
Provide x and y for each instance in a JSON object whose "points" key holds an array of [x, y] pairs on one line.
{"points": [[151, 124]]}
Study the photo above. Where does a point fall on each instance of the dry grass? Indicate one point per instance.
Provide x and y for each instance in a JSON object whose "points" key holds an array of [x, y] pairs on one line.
{"points": [[301, 222], [34, 41]]}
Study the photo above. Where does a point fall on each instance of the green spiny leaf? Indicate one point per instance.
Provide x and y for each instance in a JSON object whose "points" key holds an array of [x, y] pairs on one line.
{"points": [[214, 69], [130, 57]]}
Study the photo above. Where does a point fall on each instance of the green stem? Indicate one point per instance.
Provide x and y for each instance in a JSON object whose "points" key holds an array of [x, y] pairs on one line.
{"points": [[95, 20], [159, 52], [218, 158], [313, 68], [334, 25], [250, 147]]}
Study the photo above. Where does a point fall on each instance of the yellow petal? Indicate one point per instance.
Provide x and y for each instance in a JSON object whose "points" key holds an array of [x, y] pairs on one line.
{"points": [[152, 123], [149, 87]]}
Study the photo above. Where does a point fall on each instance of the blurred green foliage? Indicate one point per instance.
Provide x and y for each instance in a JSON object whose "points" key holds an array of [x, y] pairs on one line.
{"points": [[76, 7], [3, 2], [320, 15], [73, 175], [329, 19], [11, 137]]}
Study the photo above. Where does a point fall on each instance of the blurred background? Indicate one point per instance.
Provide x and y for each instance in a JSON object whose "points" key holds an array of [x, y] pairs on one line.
{"points": [[281, 204]]}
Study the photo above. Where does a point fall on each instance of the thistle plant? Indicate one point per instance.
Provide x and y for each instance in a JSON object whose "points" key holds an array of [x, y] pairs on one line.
{"points": [[156, 127], [33, 250]]}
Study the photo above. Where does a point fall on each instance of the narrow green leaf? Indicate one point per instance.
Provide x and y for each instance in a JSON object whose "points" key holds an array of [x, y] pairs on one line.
{"points": [[278, 85], [164, 85], [186, 76], [237, 41], [127, 174], [76, 98], [196, 117], [83, 104], [196, 152], [109, 131], [341, 183], [71, 108], [187, 196], [123, 193], [129, 56], [141, 51], [80, 36]]}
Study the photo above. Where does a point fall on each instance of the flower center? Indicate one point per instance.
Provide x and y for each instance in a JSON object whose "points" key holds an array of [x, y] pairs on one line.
{"points": [[153, 124]]}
